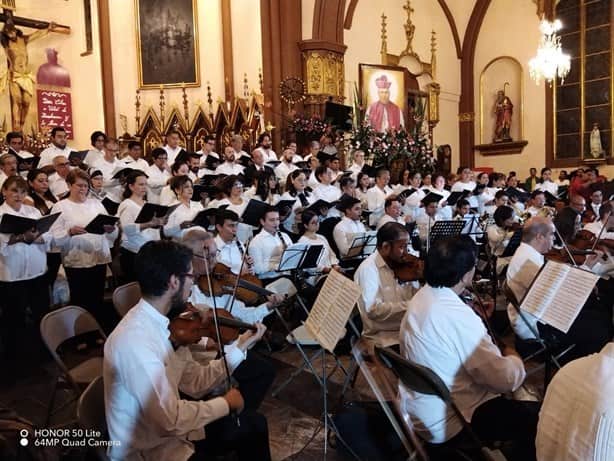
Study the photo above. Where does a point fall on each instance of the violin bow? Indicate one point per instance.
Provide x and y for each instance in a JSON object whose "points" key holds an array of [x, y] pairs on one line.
{"points": [[218, 333], [604, 225], [571, 258]]}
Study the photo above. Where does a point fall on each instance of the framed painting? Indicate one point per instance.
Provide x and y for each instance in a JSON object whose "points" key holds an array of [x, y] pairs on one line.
{"points": [[384, 92], [167, 43]]}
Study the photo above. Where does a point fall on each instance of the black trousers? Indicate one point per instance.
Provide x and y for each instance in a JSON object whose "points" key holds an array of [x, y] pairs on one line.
{"points": [[54, 260], [515, 421], [126, 262], [87, 289], [250, 439], [15, 299], [255, 376]]}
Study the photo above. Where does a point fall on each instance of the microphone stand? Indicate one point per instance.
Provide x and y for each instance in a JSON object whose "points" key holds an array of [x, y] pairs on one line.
{"points": [[219, 334]]}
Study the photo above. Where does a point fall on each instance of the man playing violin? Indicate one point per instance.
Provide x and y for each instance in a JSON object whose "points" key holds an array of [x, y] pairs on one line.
{"points": [[144, 373], [384, 300], [593, 326]]}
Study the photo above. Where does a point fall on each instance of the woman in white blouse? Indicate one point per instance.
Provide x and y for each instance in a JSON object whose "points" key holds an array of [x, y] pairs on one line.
{"points": [[167, 195], [134, 235], [23, 267], [308, 227], [181, 219], [41, 198], [362, 186], [84, 255], [266, 187], [296, 184], [235, 201]]}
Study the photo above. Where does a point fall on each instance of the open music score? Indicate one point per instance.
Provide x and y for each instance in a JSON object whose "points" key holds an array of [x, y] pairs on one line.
{"points": [[331, 310], [558, 293]]}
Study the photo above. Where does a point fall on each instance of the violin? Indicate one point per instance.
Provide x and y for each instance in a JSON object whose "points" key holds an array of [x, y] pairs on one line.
{"points": [[192, 323], [588, 216], [514, 226], [223, 281], [484, 310], [409, 269]]}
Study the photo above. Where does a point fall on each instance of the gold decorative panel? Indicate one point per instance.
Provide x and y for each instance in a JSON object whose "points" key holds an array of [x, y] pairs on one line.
{"points": [[324, 73]]}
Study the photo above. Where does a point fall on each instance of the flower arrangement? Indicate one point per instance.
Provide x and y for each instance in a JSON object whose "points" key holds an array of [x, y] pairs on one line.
{"points": [[309, 127]]}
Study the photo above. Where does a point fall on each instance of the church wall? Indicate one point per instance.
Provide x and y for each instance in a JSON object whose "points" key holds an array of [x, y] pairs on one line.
{"points": [[86, 92], [363, 42], [246, 43], [510, 28]]}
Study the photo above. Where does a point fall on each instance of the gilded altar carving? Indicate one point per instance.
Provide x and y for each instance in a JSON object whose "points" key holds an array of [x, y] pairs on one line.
{"points": [[324, 73]]}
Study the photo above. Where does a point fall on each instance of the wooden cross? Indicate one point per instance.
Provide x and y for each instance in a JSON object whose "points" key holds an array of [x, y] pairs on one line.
{"points": [[8, 6]]}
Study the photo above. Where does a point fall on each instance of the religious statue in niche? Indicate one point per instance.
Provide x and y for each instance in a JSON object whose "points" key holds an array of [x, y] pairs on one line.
{"points": [[384, 114], [503, 113], [595, 142], [18, 77]]}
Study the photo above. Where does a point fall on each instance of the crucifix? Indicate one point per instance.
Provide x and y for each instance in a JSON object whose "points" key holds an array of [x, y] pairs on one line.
{"points": [[19, 77]]}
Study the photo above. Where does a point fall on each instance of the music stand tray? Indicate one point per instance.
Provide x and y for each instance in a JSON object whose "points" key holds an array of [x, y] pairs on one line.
{"points": [[448, 228]]}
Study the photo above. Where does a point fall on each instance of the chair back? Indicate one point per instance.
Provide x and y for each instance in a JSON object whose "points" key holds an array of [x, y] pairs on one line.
{"points": [[125, 297], [91, 413], [66, 323]]}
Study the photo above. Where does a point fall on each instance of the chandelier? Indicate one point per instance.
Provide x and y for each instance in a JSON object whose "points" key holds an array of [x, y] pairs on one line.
{"points": [[550, 60]]}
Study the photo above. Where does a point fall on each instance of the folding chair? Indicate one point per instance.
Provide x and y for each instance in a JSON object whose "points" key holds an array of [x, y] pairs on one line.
{"points": [[57, 328], [539, 346], [125, 297], [91, 414], [425, 381]]}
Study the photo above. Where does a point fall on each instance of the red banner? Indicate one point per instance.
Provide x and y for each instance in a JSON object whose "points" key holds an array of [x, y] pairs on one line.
{"points": [[54, 109]]}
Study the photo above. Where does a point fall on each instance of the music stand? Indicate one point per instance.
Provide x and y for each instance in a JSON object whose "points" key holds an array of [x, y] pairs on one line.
{"points": [[442, 229], [362, 246], [513, 244]]}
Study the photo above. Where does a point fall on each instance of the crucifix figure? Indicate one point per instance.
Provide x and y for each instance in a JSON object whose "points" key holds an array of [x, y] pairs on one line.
{"points": [[19, 78]]}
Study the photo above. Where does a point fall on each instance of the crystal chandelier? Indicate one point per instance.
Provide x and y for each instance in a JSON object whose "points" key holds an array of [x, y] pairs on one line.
{"points": [[550, 60]]}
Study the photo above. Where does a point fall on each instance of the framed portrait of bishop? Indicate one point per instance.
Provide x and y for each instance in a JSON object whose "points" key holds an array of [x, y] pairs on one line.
{"points": [[167, 43], [384, 92]]}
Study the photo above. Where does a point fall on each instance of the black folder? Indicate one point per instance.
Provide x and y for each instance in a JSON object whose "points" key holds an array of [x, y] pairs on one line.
{"points": [[406, 193], [456, 196], [12, 224], [254, 211], [206, 217], [151, 210], [318, 205], [110, 205], [282, 204], [77, 157], [96, 225]]}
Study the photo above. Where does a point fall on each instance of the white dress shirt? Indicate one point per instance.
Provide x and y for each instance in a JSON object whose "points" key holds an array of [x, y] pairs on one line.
{"points": [[424, 224], [133, 238], [172, 153], [328, 193], [111, 186], [57, 185], [181, 214], [442, 333], [576, 420], [268, 154], [312, 181], [167, 196], [47, 155], [387, 218], [229, 254], [344, 232], [283, 170], [383, 300], [142, 379], [595, 208], [244, 231], [22, 261], [519, 277], [266, 250], [229, 168], [138, 164], [355, 168], [203, 157], [93, 156], [375, 202], [548, 186], [84, 250], [250, 314], [327, 257], [595, 228], [156, 180]]}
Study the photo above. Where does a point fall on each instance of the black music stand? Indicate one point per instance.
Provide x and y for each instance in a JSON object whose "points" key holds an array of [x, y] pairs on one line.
{"points": [[513, 244], [362, 246], [442, 229]]}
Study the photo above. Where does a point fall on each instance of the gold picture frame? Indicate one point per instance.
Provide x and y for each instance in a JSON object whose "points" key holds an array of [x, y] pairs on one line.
{"points": [[167, 43]]}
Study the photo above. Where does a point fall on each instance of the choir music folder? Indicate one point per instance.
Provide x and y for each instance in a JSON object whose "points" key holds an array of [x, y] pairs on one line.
{"points": [[151, 210], [456, 196], [254, 211], [110, 205], [96, 225], [203, 217], [285, 204], [320, 204], [406, 193], [431, 197], [12, 224]]}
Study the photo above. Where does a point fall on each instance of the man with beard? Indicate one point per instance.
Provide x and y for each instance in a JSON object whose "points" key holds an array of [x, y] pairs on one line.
{"points": [[146, 366], [229, 167]]}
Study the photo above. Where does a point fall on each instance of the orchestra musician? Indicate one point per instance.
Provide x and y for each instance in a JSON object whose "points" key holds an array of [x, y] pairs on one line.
{"points": [[349, 225], [145, 369], [392, 212], [538, 201], [230, 249], [593, 326], [384, 299], [605, 213], [441, 332], [308, 228], [500, 233]]}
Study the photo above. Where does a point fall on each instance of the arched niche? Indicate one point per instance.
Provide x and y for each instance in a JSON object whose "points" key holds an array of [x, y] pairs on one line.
{"points": [[501, 70]]}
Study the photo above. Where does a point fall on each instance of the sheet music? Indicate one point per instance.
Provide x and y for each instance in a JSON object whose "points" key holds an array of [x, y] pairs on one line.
{"points": [[332, 309], [558, 294]]}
